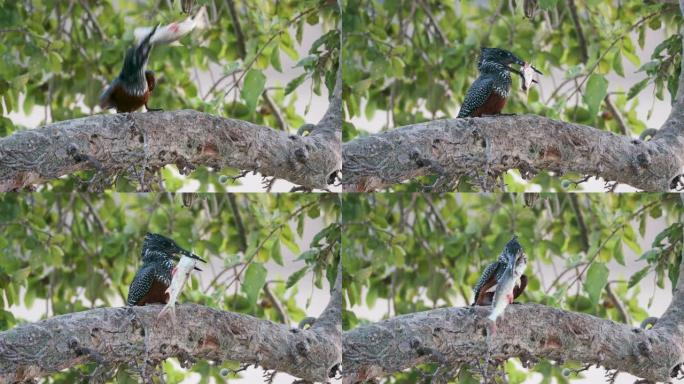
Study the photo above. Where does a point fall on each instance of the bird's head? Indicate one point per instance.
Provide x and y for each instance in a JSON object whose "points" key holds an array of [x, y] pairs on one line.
{"points": [[514, 252], [136, 57], [166, 246], [500, 56]]}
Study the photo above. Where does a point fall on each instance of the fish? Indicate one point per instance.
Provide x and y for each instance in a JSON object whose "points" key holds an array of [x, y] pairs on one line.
{"points": [[176, 30], [180, 275], [504, 289], [529, 75]]}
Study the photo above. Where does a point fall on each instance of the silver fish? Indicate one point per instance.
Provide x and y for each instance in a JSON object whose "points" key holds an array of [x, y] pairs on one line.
{"points": [[175, 31], [529, 75], [181, 274], [504, 289]]}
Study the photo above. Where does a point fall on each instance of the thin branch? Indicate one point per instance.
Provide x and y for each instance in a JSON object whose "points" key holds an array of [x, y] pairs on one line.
{"points": [[622, 311], [280, 119], [277, 305], [616, 115]]}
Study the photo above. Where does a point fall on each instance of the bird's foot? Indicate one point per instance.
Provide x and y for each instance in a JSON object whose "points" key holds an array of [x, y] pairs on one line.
{"points": [[148, 109], [500, 114]]}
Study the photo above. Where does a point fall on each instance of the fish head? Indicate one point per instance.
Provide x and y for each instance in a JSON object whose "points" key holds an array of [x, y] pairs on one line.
{"points": [[520, 264], [191, 255]]}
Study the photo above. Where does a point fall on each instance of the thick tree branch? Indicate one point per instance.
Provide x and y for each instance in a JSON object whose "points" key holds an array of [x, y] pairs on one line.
{"points": [[115, 336], [114, 143], [527, 331], [456, 147]]}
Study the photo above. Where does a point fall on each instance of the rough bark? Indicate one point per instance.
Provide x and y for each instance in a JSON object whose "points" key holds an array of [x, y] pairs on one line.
{"points": [[456, 147], [115, 336], [118, 142], [453, 336], [489, 146]]}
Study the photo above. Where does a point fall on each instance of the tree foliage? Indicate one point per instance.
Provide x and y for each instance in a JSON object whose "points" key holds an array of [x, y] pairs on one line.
{"points": [[80, 251], [418, 252], [408, 62], [59, 56]]}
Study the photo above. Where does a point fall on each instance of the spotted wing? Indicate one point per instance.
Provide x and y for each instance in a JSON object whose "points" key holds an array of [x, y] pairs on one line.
{"points": [[488, 274], [477, 95], [106, 101], [143, 281]]}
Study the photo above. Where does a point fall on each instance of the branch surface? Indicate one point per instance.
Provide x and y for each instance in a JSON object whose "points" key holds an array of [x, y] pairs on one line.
{"points": [[118, 142], [529, 331], [452, 148], [114, 336]]}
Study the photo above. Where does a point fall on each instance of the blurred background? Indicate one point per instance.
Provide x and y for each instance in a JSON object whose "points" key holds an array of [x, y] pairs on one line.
{"points": [[614, 256], [60, 56], [409, 62], [270, 256]]}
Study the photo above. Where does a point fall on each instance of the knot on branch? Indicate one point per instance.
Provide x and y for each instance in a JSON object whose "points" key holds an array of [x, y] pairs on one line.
{"points": [[74, 345], [301, 154]]}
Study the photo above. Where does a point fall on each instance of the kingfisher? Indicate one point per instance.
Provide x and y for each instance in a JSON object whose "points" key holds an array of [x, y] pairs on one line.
{"points": [[488, 94], [132, 88], [159, 257], [494, 273]]}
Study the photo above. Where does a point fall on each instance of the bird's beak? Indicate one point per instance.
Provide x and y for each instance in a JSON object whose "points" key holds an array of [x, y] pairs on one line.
{"points": [[192, 256]]}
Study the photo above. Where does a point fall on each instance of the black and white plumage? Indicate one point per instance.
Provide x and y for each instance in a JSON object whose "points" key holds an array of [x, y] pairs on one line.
{"points": [[159, 257], [488, 93], [494, 272], [131, 89]]}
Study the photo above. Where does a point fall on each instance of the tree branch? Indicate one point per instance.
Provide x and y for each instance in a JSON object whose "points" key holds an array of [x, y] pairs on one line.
{"points": [[528, 331], [114, 143], [122, 335], [456, 147]]}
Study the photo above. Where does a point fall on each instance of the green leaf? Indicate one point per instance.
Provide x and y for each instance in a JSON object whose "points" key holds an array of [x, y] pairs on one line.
{"points": [[275, 253], [275, 59], [597, 277], [636, 278], [617, 64], [294, 83], [636, 88], [253, 87], [597, 86], [295, 277], [255, 277]]}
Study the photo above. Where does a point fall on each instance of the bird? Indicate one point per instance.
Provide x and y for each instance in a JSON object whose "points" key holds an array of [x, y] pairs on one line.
{"points": [[159, 257], [494, 274], [488, 93], [129, 91]]}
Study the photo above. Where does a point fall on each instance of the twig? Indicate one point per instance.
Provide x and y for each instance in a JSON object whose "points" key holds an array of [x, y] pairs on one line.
{"points": [[238, 222], [276, 305], [618, 305], [282, 124], [270, 39], [618, 117], [93, 20], [580, 33], [433, 21]]}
